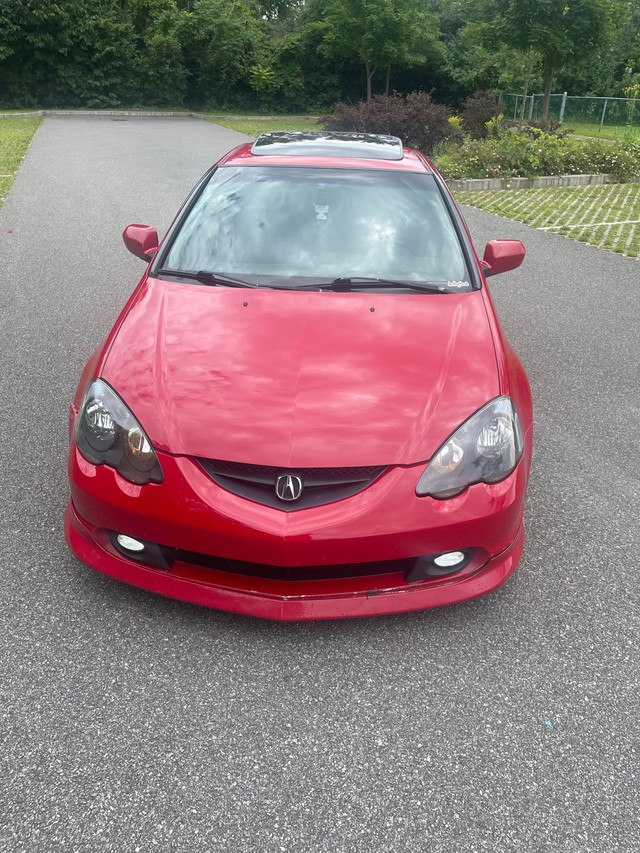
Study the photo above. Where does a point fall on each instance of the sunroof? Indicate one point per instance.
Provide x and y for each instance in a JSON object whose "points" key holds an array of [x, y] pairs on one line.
{"points": [[308, 143]]}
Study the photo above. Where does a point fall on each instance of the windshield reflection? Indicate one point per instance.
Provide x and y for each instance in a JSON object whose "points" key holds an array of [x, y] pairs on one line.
{"points": [[295, 222]]}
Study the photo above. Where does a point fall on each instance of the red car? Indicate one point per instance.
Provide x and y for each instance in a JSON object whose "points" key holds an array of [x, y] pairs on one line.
{"points": [[307, 408]]}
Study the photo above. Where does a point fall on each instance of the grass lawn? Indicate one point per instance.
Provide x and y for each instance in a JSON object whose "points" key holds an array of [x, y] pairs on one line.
{"points": [[583, 128], [605, 216], [254, 127], [15, 137]]}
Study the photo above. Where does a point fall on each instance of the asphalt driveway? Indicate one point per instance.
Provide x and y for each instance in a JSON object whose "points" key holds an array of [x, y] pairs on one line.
{"points": [[136, 723]]}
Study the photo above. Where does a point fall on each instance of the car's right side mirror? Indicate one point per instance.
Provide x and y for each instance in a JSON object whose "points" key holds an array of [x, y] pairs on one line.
{"points": [[502, 255], [141, 240]]}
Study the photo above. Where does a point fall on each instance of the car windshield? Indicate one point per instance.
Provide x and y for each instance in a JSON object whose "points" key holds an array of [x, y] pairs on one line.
{"points": [[303, 224]]}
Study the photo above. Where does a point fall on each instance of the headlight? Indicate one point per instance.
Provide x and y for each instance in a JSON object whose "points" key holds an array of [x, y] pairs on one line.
{"points": [[108, 434], [485, 449]]}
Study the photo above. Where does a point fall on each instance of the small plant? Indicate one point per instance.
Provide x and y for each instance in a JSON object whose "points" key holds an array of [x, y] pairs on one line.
{"points": [[455, 123], [550, 126], [494, 127], [261, 79]]}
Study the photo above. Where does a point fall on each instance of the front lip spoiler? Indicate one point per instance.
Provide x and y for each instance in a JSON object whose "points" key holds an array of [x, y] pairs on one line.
{"points": [[415, 569], [304, 606]]}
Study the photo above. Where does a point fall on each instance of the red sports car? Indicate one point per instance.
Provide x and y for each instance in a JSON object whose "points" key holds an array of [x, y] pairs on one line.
{"points": [[307, 408]]}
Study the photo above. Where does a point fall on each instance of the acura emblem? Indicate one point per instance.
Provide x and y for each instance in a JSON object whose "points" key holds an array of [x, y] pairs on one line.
{"points": [[288, 487]]}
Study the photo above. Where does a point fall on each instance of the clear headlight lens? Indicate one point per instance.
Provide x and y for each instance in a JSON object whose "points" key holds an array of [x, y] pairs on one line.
{"points": [[485, 449], [108, 434]]}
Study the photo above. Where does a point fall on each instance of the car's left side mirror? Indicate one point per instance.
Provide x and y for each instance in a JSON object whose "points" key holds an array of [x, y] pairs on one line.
{"points": [[141, 241], [502, 255]]}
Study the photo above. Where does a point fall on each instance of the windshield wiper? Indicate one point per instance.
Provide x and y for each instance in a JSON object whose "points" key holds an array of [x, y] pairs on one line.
{"points": [[347, 284], [209, 278]]}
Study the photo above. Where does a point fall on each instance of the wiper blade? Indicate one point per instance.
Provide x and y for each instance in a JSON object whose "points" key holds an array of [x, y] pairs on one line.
{"points": [[347, 284], [209, 278]]}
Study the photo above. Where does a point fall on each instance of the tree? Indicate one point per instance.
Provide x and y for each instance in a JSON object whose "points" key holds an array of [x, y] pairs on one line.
{"points": [[561, 32], [67, 53], [222, 41], [378, 33]]}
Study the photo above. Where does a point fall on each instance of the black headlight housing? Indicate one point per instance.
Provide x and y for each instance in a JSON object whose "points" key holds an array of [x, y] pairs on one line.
{"points": [[484, 449], [107, 433]]}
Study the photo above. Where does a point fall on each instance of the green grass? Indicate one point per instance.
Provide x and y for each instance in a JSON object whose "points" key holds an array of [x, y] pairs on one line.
{"points": [[15, 137], [583, 128], [604, 216], [254, 127]]}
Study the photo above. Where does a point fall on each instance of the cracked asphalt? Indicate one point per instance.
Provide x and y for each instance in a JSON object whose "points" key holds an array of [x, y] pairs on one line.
{"points": [[130, 722]]}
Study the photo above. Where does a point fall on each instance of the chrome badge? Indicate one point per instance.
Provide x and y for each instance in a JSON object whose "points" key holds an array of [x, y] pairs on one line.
{"points": [[288, 487]]}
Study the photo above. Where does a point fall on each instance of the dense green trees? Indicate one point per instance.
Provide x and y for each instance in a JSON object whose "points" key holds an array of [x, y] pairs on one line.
{"points": [[563, 33], [306, 54], [378, 34]]}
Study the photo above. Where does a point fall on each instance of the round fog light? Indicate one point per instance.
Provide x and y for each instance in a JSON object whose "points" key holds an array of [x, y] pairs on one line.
{"points": [[450, 559], [128, 543]]}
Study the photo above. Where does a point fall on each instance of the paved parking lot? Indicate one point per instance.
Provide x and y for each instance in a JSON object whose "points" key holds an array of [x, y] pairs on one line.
{"points": [[135, 723]]}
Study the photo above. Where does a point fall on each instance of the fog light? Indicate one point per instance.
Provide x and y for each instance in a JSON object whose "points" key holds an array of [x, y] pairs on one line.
{"points": [[438, 566], [129, 544], [450, 559]]}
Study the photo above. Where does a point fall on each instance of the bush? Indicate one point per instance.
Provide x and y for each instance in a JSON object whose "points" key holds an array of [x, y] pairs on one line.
{"points": [[414, 118], [532, 154], [476, 112], [477, 158], [509, 153], [504, 154], [619, 159]]}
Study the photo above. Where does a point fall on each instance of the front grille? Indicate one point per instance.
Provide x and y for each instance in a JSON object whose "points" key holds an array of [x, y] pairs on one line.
{"points": [[320, 485]]}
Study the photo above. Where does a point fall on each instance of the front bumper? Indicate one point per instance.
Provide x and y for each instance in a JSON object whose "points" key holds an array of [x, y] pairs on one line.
{"points": [[385, 525]]}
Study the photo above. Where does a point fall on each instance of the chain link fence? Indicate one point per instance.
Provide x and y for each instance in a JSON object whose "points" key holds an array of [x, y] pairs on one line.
{"points": [[564, 108]]}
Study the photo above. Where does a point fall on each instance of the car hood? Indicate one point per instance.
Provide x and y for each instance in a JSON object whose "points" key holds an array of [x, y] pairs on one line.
{"points": [[299, 379]]}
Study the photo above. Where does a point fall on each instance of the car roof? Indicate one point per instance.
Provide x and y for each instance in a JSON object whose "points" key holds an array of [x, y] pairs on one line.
{"points": [[325, 148]]}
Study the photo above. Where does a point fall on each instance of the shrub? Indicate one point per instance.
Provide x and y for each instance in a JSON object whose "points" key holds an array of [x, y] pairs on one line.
{"points": [[537, 153], [476, 112], [531, 154], [477, 158], [618, 159], [414, 118]]}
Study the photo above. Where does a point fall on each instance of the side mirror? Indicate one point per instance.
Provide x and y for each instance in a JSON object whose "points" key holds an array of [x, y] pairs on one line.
{"points": [[502, 255], [141, 241]]}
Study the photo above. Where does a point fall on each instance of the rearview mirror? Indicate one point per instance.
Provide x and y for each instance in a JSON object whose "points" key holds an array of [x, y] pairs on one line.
{"points": [[141, 241], [502, 255]]}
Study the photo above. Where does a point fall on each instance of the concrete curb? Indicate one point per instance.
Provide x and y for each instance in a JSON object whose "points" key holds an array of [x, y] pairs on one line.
{"points": [[103, 114], [22, 115], [145, 114], [479, 184]]}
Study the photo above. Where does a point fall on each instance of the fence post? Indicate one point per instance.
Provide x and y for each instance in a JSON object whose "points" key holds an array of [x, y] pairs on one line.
{"points": [[604, 109], [562, 106], [531, 109]]}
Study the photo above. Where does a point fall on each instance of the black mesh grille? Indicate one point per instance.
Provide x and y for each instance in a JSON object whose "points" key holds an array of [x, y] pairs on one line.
{"points": [[320, 485]]}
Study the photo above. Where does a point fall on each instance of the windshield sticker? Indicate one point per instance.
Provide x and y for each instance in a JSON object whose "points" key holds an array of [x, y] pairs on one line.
{"points": [[459, 284], [321, 211]]}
